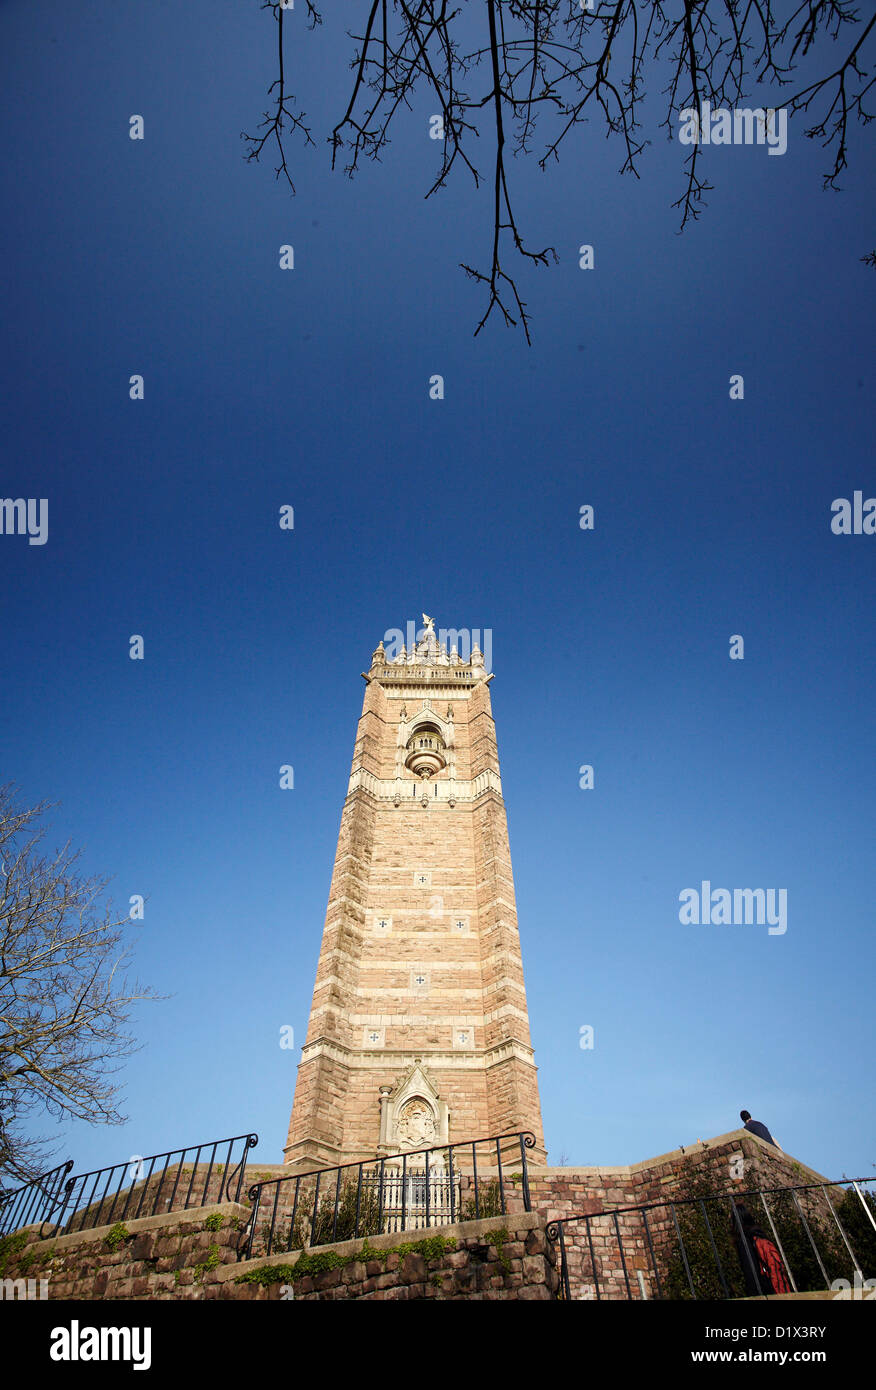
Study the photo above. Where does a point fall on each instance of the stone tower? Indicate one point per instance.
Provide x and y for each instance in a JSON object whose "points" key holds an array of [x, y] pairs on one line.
{"points": [[419, 1028]]}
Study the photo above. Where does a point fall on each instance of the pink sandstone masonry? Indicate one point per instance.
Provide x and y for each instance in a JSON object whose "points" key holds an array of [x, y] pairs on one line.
{"points": [[193, 1256], [419, 1029], [742, 1160]]}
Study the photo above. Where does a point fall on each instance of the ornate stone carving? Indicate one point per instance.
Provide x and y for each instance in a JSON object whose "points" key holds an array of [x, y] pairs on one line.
{"points": [[413, 1116], [415, 1127]]}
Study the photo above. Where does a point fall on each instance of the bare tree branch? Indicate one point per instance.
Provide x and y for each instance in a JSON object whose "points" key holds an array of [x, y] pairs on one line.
{"points": [[273, 124], [553, 59]]}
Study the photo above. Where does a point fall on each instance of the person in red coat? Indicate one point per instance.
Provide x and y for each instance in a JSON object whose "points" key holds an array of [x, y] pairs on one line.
{"points": [[760, 1258]]}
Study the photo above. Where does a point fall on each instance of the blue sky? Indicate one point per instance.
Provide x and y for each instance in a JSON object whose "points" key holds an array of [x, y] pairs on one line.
{"points": [[610, 647]]}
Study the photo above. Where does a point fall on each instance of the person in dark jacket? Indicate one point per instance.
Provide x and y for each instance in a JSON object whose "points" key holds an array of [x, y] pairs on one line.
{"points": [[756, 1127]]}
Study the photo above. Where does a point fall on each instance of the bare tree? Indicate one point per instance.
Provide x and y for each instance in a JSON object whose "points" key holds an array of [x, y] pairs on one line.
{"points": [[63, 999], [565, 60]]}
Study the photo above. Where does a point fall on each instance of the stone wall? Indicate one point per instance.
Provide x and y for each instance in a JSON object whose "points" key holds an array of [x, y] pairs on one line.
{"points": [[499, 1258], [193, 1256], [738, 1161], [169, 1256]]}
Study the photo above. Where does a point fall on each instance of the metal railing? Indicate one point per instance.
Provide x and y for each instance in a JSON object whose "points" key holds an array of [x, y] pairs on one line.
{"points": [[32, 1203], [677, 1250], [400, 1192], [171, 1181]]}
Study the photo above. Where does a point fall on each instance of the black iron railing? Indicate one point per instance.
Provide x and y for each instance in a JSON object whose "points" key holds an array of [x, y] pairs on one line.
{"points": [[758, 1242], [190, 1177], [32, 1203], [400, 1192]]}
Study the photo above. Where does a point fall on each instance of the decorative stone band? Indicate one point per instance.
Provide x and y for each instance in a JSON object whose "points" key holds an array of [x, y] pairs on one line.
{"points": [[455, 680], [438, 1057], [449, 790], [512, 1047]]}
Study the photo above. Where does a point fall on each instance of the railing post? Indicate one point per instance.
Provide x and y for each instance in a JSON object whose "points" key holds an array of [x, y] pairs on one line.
{"points": [[161, 1185], [249, 1142], [205, 1194], [273, 1218], [115, 1198], [380, 1198], [501, 1183], [315, 1209], [620, 1246], [714, 1249], [404, 1190], [131, 1190], [228, 1170], [255, 1194], [103, 1194], [527, 1202], [428, 1222], [809, 1234], [474, 1168], [855, 1264], [788, 1271], [592, 1259], [61, 1205], [172, 1198], [294, 1213], [145, 1187], [554, 1232], [337, 1200], [684, 1252], [194, 1172], [866, 1205], [358, 1201], [654, 1264]]}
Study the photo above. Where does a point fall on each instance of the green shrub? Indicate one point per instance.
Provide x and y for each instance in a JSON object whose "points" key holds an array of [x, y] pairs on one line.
{"points": [[117, 1235], [708, 1184], [211, 1262], [318, 1261], [489, 1202], [498, 1239], [10, 1246], [326, 1229]]}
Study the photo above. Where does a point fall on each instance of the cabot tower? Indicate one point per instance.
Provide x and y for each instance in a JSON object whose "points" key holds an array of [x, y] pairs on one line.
{"points": [[419, 1029]]}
